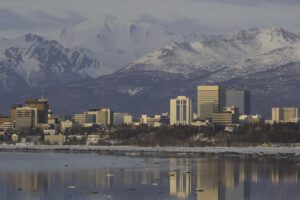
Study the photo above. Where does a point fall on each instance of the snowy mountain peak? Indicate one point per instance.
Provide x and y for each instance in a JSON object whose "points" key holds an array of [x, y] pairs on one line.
{"points": [[267, 33], [249, 51], [33, 38]]}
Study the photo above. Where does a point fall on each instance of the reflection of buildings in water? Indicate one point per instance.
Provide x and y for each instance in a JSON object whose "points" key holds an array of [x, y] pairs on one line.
{"points": [[242, 175], [290, 176], [131, 178], [208, 180], [31, 183], [104, 178], [254, 173], [180, 179], [274, 175], [229, 174], [236, 184]]}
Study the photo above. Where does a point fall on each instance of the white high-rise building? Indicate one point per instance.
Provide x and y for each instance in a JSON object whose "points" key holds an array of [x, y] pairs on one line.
{"points": [[181, 112]]}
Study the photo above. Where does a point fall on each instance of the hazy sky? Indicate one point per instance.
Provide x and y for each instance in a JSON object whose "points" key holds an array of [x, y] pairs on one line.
{"points": [[41, 16]]}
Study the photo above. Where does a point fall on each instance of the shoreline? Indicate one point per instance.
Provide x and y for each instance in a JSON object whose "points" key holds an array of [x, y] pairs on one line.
{"points": [[276, 152]]}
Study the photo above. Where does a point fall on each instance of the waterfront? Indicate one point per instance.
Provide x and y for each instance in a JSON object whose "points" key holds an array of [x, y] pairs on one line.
{"points": [[93, 176]]}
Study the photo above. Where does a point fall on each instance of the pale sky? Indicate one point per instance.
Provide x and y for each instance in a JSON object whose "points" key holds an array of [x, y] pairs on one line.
{"points": [[42, 16]]}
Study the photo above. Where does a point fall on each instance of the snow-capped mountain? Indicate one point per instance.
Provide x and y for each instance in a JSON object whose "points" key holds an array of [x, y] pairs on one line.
{"points": [[37, 61], [247, 52], [87, 64], [117, 42]]}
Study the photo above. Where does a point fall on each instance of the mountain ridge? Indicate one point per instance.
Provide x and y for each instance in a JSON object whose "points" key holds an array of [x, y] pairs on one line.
{"points": [[32, 65]]}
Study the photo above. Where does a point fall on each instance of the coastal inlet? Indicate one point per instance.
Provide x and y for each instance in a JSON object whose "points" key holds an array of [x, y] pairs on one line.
{"points": [[47, 175]]}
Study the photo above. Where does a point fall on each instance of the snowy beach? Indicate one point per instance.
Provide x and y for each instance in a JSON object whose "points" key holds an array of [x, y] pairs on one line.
{"points": [[259, 151]]}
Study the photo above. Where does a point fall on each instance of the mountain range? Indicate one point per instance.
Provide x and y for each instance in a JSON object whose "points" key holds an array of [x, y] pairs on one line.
{"points": [[136, 67]]}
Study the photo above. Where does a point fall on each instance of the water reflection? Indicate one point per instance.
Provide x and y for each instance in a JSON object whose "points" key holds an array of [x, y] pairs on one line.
{"points": [[149, 178]]}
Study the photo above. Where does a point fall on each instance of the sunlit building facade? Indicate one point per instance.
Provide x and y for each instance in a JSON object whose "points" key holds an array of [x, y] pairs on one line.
{"points": [[181, 111], [211, 99]]}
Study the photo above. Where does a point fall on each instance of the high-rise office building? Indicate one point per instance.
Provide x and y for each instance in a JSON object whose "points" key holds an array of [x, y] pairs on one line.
{"points": [[26, 117], [42, 107], [240, 99], [211, 99], [181, 111], [285, 114]]}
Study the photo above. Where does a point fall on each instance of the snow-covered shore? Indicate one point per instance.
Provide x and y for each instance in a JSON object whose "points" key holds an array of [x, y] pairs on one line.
{"points": [[261, 151]]}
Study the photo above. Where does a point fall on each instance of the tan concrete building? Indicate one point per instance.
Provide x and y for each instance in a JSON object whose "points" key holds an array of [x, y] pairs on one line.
{"points": [[181, 112], [128, 119], [230, 115], [26, 117], [80, 118], [211, 99], [4, 119], [251, 119], [55, 139], [284, 115], [103, 117], [67, 124], [6, 126]]}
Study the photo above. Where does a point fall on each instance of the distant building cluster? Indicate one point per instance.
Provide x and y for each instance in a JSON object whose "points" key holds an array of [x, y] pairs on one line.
{"points": [[215, 106], [231, 107]]}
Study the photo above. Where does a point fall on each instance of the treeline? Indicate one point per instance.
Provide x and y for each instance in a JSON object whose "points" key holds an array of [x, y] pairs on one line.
{"points": [[207, 136]]}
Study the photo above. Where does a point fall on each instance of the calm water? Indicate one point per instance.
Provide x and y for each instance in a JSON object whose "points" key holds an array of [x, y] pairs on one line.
{"points": [[90, 176]]}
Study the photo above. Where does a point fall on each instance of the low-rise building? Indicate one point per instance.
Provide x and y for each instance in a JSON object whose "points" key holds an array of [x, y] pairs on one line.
{"points": [[80, 118], [93, 139], [128, 119], [154, 121], [119, 119], [165, 118], [4, 119], [144, 119], [230, 115], [251, 119], [201, 123], [50, 131], [67, 124], [104, 117], [6, 126], [55, 139], [15, 138], [285, 115]]}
